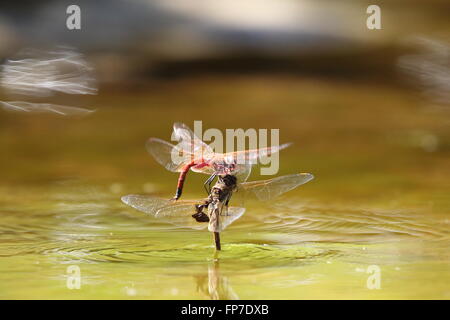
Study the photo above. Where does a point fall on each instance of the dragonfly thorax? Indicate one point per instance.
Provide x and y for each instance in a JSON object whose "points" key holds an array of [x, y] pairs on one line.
{"points": [[223, 188], [224, 167], [229, 180]]}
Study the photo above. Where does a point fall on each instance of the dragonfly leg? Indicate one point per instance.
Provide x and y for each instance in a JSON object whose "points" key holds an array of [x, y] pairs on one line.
{"points": [[207, 184]]}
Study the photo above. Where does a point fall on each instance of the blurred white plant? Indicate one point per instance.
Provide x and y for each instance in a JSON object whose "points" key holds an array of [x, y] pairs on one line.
{"points": [[43, 107], [42, 74], [430, 67]]}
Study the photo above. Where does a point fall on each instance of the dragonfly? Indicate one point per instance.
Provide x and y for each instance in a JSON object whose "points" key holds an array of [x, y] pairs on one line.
{"points": [[191, 153], [213, 212]]}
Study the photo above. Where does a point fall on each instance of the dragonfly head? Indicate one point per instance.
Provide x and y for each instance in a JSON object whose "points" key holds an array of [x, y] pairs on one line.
{"points": [[230, 168]]}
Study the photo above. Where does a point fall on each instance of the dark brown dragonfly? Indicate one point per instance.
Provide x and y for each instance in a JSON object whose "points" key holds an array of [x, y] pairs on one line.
{"points": [[213, 212], [191, 153]]}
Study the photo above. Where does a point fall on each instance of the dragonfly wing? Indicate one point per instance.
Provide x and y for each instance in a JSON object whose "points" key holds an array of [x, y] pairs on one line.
{"points": [[189, 142], [217, 165], [168, 155], [227, 218], [223, 217], [272, 188], [243, 172], [253, 155], [204, 169], [178, 213]]}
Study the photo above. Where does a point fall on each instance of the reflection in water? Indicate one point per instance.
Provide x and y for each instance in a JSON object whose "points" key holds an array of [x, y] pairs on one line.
{"points": [[214, 285]]}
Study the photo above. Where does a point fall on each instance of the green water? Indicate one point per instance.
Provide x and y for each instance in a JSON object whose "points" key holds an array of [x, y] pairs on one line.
{"points": [[380, 196]]}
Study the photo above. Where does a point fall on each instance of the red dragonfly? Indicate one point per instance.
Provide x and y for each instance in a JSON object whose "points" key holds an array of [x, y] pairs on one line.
{"points": [[192, 153], [190, 213]]}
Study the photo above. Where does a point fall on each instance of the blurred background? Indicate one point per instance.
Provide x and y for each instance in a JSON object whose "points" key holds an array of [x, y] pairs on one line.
{"points": [[368, 112]]}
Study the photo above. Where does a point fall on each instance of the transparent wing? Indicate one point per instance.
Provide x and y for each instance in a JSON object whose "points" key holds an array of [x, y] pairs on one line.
{"points": [[250, 156], [233, 213], [241, 171], [178, 213], [168, 155], [272, 188], [207, 169], [189, 142], [174, 159], [221, 217]]}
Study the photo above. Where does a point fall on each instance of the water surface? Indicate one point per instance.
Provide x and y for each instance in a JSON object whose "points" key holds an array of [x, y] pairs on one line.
{"points": [[380, 196]]}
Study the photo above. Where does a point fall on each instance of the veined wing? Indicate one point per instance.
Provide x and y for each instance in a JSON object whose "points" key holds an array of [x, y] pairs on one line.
{"points": [[178, 213], [250, 156], [232, 214], [174, 159], [237, 163], [241, 171], [221, 217], [168, 155], [272, 188], [189, 142]]}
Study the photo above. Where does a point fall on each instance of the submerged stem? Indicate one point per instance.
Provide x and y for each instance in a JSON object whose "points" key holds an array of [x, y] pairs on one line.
{"points": [[217, 240]]}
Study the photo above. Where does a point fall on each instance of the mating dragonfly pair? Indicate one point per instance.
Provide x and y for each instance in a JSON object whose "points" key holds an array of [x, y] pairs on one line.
{"points": [[231, 169]]}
